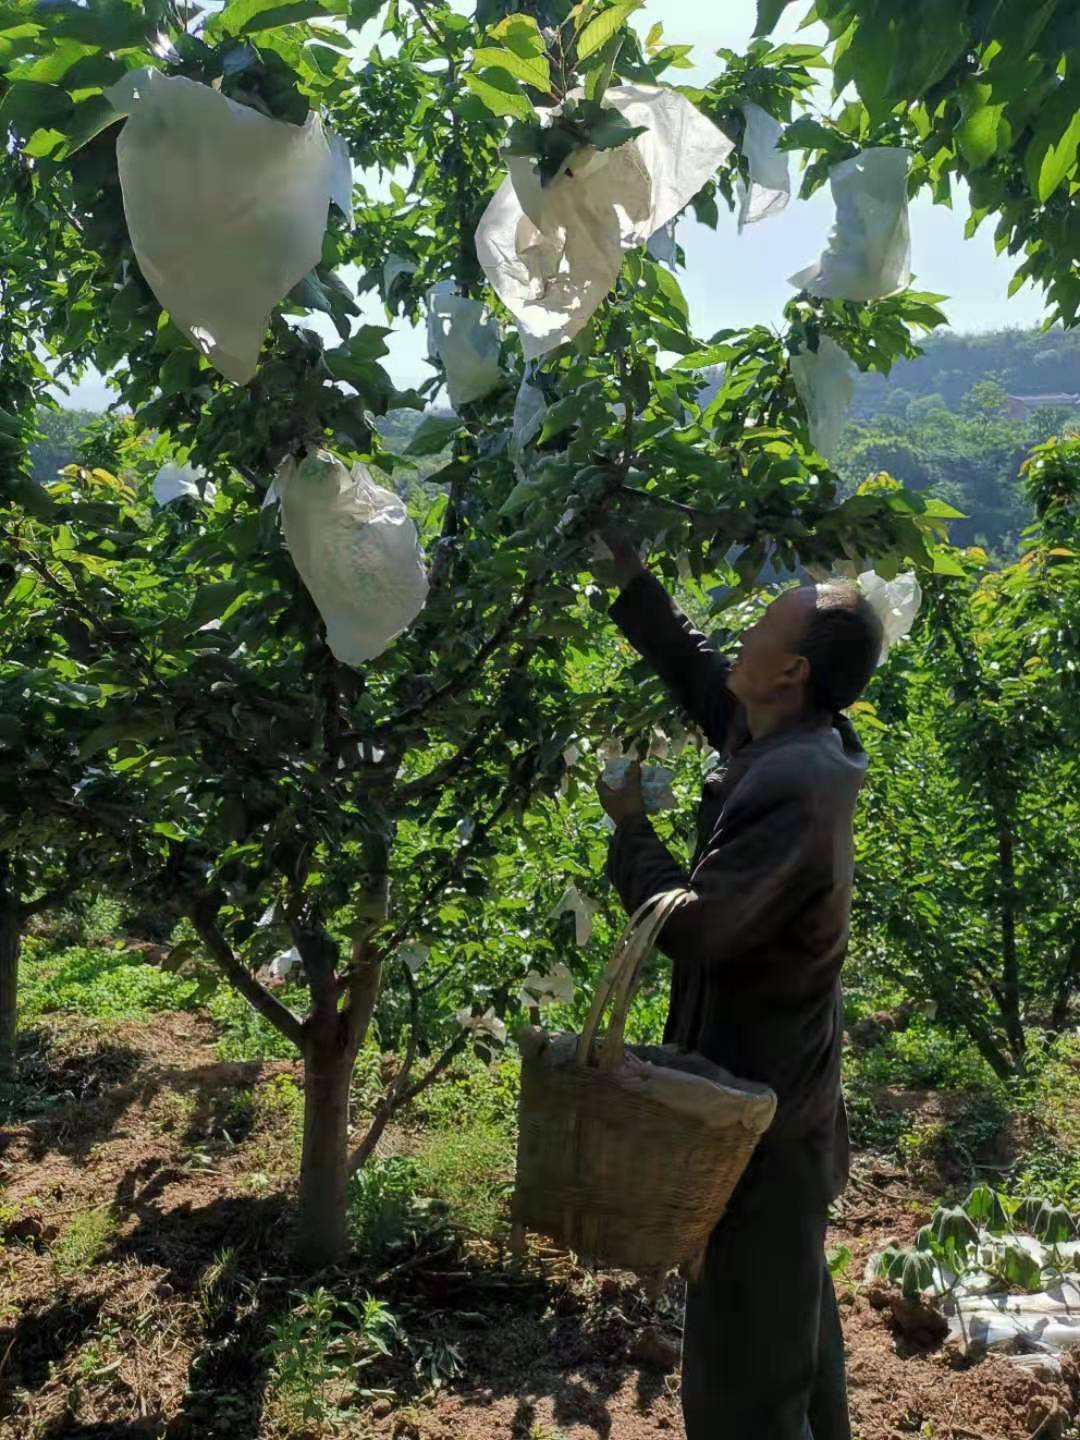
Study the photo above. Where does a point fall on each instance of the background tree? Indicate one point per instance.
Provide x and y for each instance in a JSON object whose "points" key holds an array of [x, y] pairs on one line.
{"points": [[969, 851]]}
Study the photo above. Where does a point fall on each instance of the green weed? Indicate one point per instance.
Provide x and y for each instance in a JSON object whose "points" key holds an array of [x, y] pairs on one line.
{"points": [[84, 1241], [318, 1351]]}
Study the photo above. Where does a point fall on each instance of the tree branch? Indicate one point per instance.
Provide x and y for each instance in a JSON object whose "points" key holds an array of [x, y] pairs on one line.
{"points": [[203, 914]]}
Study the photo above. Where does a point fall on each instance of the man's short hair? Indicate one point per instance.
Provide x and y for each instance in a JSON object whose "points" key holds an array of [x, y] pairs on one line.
{"points": [[842, 643]]}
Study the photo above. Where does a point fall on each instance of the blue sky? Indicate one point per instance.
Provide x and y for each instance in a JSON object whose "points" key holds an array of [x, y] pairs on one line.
{"points": [[734, 280]]}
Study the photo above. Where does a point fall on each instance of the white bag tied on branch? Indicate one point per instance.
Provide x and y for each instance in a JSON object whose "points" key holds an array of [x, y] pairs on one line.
{"points": [[868, 254], [582, 908], [553, 252], [897, 603], [554, 988], [173, 482], [487, 1024], [530, 412], [356, 550], [656, 780], [825, 381], [770, 177], [463, 335], [226, 208], [661, 246]]}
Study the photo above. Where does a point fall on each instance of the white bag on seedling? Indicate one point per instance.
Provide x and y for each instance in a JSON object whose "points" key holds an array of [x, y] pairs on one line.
{"points": [[553, 252], [226, 208], [173, 482], [770, 178], [897, 603], [356, 550], [869, 248], [825, 381], [463, 335]]}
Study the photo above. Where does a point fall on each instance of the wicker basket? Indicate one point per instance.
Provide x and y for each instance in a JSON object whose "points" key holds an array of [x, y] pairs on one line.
{"points": [[629, 1157]]}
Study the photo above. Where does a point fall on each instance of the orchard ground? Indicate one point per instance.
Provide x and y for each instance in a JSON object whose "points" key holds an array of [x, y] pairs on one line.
{"points": [[147, 1168]]}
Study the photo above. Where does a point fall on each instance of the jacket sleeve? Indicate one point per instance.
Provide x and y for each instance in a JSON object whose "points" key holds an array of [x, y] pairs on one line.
{"points": [[692, 669], [769, 857]]}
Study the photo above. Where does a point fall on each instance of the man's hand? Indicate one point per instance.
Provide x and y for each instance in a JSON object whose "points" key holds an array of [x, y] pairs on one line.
{"points": [[626, 564], [621, 804]]}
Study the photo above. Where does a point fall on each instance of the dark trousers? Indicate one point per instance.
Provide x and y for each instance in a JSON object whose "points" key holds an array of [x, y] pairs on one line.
{"points": [[763, 1353]]}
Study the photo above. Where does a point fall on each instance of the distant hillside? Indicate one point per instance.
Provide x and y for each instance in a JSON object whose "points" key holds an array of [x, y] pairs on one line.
{"points": [[1023, 362]]}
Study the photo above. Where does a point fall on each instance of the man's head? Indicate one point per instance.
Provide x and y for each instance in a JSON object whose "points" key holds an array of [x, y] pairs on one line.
{"points": [[814, 649]]}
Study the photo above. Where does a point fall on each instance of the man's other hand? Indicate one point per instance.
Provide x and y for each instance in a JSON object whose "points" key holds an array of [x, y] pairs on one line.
{"points": [[625, 564], [621, 804]]}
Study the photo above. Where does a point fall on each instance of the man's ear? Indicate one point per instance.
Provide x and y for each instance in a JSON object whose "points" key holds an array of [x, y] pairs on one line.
{"points": [[795, 674]]}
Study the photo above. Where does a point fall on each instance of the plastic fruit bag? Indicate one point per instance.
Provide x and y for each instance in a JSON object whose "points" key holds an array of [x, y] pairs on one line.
{"points": [[226, 208], [463, 335], [897, 603], [825, 380], [656, 780], [356, 550], [552, 252], [869, 249], [770, 178]]}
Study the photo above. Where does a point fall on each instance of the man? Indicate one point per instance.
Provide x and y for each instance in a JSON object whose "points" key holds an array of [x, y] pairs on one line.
{"points": [[755, 985]]}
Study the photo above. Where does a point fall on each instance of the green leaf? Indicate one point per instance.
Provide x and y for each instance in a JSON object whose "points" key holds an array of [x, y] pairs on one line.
{"points": [[521, 34], [500, 93], [768, 14], [211, 601], [702, 359], [246, 17], [29, 106], [54, 65], [43, 143], [1051, 158], [433, 435], [983, 132], [361, 11], [531, 70], [114, 732], [89, 118], [599, 31]]}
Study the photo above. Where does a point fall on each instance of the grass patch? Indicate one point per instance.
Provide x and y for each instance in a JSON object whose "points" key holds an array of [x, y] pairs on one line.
{"points": [[84, 1241], [98, 983]]}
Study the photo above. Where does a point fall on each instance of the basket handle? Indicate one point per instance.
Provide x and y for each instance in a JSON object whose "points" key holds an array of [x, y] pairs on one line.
{"points": [[622, 974]]}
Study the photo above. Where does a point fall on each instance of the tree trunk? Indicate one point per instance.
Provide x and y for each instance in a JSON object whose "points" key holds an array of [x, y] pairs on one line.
{"points": [[1010, 961], [10, 945], [324, 1170]]}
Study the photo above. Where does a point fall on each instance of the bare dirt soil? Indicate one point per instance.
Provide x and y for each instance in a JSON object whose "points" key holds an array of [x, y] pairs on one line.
{"points": [[144, 1224]]}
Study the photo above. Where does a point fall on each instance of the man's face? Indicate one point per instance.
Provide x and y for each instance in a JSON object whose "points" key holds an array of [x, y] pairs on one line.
{"points": [[769, 662]]}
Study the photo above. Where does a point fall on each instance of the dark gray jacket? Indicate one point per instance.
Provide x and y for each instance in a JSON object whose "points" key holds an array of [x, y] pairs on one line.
{"points": [[757, 959]]}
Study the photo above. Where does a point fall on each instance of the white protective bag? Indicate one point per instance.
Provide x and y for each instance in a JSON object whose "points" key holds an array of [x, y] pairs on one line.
{"points": [[868, 254], [552, 253], [825, 381], [463, 335], [897, 603], [661, 247], [530, 412], [356, 550], [174, 482], [770, 177], [226, 208], [656, 791]]}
